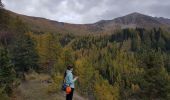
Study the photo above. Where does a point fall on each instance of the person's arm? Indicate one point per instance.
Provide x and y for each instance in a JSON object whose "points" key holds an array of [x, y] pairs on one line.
{"points": [[71, 80], [75, 79]]}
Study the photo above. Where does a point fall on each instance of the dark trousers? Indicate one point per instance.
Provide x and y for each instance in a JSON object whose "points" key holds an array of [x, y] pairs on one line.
{"points": [[70, 96]]}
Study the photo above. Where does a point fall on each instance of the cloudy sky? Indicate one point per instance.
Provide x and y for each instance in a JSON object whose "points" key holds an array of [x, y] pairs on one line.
{"points": [[87, 11]]}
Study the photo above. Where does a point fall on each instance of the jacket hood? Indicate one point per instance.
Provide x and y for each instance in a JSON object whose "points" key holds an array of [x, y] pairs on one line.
{"points": [[68, 71]]}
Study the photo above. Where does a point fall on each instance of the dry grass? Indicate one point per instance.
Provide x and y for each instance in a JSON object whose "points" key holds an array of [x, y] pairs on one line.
{"points": [[36, 88]]}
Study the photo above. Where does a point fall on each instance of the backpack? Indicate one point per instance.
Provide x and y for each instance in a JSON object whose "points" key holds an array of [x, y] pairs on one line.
{"points": [[64, 86]]}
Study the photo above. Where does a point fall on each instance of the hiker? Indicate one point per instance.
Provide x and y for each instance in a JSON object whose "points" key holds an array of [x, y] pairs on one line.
{"points": [[69, 82]]}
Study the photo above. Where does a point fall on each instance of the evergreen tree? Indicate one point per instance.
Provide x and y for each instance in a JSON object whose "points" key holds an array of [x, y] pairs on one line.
{"points": [[7, 73], [24, 54]]}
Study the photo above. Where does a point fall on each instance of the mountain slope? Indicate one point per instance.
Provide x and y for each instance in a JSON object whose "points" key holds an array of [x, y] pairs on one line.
{"points": [[163, 20], [133, 20]]}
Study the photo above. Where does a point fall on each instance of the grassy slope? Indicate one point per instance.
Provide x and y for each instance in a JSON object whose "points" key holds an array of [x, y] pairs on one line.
{"points": [[37, 24]]}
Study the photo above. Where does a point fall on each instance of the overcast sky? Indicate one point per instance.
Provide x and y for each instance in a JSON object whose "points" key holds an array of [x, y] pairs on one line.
{"points": [[87, 11]]}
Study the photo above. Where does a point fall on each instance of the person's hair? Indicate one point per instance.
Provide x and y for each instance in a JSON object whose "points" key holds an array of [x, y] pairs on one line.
{"points": [[69, 67]]}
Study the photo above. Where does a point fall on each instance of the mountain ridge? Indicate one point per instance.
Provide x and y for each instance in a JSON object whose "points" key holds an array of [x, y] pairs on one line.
{"points": [[131, 20]]}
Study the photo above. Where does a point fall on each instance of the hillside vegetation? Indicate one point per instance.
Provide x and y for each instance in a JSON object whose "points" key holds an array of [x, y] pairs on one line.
{"points": [[125, 64]]}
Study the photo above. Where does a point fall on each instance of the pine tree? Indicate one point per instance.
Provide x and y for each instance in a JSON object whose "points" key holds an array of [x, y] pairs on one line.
{"points": [[24, 54], [7, 73]]}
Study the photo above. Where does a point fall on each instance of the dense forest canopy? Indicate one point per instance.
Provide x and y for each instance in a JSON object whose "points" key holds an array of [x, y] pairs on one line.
{"points": [[126, 64]]}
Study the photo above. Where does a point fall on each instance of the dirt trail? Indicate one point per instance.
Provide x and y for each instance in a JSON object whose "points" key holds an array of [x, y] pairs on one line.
{"points": [[35, 89]]}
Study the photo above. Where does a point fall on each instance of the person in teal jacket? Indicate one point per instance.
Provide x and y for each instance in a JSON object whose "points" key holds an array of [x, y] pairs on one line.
{"points": [[69, 80]]}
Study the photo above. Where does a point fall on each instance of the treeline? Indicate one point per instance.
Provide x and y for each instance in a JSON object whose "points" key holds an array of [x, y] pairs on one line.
{"points": [[128, 64]]}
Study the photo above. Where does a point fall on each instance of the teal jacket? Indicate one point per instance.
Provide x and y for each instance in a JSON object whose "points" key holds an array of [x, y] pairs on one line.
{"points": [[69, 79]]}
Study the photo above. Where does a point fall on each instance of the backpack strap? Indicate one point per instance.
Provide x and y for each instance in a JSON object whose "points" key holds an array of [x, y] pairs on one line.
{"points": [[64, 77]]}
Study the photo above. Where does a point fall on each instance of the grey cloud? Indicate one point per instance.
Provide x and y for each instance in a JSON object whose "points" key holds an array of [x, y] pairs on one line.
{"points": [[161, 9], [87, 11]]}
